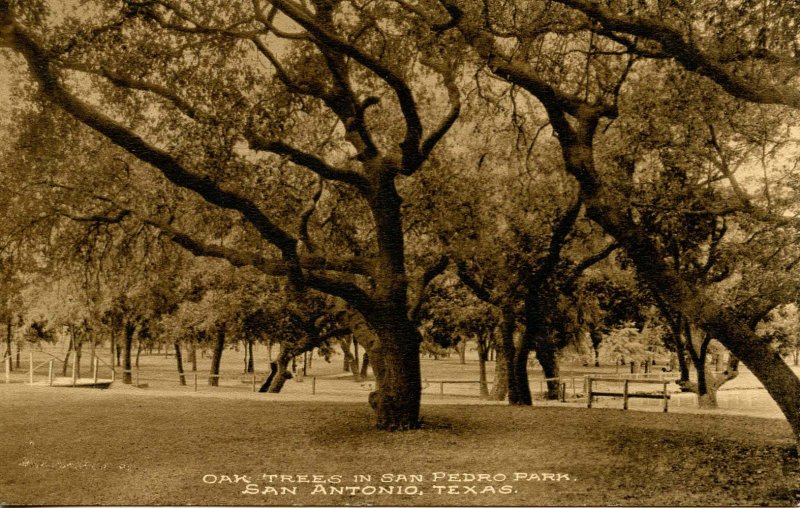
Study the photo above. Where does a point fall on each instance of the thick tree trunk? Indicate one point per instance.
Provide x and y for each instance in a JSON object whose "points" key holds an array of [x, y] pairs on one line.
{"points": [[348, 360], [364, 365], [179, 362], [710, 382], [281, 374], [500, 387], [395, 362], [520, 374], [683, 365], [127, 375], [483, 353], [273, 369], [546, 355], [517, 388], [216, 358]]}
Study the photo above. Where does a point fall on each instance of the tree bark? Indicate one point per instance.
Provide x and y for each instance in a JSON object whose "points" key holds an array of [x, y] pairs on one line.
{"points": [[118, 353], [364, 365], [517, 388], [348, 360], [483, 353], [65, 366], [500, 387], [462, 351], [127, 375], [193, 354], [281, 374], [520, 374], [78, 355], [8, 340], [216, 358], [251, 368], [546, 355], [395, 362], [112, 346], [138, 351], [597, 339], [179, 362]]}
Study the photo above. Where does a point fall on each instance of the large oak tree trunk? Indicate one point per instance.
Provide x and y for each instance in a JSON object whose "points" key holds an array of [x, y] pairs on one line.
{"points": [[281, 374], [546, 355], [364, 365], [395, 362], [516, 387], [500, 387], [216, 358], [483, 353], [520, 373]]}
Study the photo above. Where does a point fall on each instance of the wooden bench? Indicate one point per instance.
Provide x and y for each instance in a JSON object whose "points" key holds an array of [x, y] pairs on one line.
{"points": [[626, 394]]}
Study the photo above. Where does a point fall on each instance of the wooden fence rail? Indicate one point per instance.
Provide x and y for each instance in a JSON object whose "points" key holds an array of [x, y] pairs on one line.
{"points": [[626, 394]]}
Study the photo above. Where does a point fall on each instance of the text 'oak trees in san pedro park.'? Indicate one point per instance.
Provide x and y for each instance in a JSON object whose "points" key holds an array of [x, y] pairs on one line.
{"points": [[373, 161]]}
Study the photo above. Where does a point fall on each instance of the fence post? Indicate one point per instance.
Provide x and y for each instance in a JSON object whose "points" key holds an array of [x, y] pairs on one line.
{"points": [[666, 397], [113, 373], [50, 374], [563, 391], [313, 385], [195, 380], [31, 371], [441, 388], [94, 370], [589, 391], [625, 395]]}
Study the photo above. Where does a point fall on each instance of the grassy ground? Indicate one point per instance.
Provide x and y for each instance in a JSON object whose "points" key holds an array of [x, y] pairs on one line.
{"points": [[81, 446]]}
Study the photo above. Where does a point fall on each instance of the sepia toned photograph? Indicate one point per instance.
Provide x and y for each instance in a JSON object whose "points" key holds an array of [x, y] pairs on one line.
{"points": [[400, 252]]}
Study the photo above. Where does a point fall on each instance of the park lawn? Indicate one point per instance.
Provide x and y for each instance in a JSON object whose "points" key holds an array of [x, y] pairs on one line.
{"points": [[81, 446]]}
